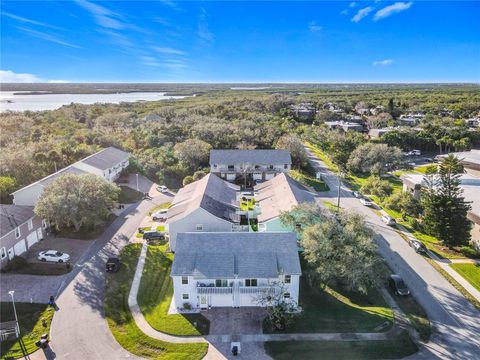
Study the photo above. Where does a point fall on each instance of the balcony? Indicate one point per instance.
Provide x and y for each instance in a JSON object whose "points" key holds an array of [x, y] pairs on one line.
{"points": [[258, 289], [214, 290]]}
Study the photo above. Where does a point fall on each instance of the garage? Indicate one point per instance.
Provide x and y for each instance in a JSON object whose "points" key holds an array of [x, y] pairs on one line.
{"points": [[257, 176], [32, 239], [231, 177], [269, 176], [20, 247]]}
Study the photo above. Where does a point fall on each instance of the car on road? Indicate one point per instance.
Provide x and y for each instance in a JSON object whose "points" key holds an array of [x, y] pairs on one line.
{"points": [[397, 285], [113, 264], [53, 256], [418, 246], [388, 220], [162, 188], [414, 153], [160, 215], [154, 235], [366, 201], [356, 194]]}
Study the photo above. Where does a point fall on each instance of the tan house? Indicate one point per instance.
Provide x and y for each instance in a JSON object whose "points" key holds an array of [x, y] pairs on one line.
{"points": [[20, 228]]}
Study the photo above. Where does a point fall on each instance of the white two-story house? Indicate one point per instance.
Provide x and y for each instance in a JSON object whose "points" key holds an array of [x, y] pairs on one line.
{"points": [[234, 269], [254, 164], [209, 204], [107, 163], [275, 196]]}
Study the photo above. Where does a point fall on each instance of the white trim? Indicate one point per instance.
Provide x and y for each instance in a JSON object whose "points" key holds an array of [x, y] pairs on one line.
{"points": [[30, 224]]}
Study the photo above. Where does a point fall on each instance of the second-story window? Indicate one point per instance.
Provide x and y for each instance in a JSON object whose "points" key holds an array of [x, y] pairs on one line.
{"points": [[270, 167], [287, 279], [184, 280], [221, 283], [250, 282], [231, 167], [285, 166], [17, 232]]}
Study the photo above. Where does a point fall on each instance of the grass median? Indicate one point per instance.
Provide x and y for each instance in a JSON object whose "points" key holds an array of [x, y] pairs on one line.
{"points": [[470, 272], [155, 295], [122, 324]]}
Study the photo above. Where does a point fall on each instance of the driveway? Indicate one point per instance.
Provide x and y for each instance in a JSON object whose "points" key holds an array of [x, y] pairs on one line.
{"points": [[454, 319], [79, 329], [39, 288]]}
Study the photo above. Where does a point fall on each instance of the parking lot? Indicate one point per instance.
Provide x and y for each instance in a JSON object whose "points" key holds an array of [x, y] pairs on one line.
{"points": [[74, 248]]}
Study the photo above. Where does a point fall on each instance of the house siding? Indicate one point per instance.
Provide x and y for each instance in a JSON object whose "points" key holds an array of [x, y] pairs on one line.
{"points": [[189, 223], [13, 245]]}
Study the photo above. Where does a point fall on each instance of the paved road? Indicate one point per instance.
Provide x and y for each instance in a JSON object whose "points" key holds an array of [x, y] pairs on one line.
{"points": [[79, 329], [455, 320]]}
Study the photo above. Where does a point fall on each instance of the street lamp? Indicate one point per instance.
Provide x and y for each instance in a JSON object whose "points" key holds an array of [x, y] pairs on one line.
{"points": [[11, 292]]}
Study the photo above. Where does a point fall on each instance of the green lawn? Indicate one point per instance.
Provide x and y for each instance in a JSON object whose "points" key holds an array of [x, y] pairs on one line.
{"points": [[471, 273], [128, 195], [308, 180], [332, 311], [123, 326], [31, 328], [155, 295], [322, 156], [395, 348]]}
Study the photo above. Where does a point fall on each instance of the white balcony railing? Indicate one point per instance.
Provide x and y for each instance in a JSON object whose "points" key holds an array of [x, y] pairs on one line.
{"points": [[214, 290], [258, 289]]}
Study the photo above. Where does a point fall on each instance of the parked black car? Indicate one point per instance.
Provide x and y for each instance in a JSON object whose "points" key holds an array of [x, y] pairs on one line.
{"points": [[153, 235], [397, 285], [113, 264], [418, 246]]}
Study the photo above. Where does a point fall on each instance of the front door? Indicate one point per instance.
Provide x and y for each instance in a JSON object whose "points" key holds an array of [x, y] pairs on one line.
{"points": [[203, 302]]}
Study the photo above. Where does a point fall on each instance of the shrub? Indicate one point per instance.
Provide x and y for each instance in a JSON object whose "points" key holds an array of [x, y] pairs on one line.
{"points": [[187, 180], [187, 306], [376, 186], [16, 263]]}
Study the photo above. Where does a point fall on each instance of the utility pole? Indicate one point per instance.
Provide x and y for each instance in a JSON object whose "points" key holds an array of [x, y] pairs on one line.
{"points": [[137, 182], [11, 292], [340, 175]]}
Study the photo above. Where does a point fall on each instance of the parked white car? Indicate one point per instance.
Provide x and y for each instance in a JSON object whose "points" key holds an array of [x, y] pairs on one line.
{"points": [[414, 153], [365, 201], [388, 220], [53, 256], [162, 188], [160, 215]]}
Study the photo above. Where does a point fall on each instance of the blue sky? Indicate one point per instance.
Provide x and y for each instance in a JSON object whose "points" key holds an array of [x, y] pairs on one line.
{"points": [[234, 41]]}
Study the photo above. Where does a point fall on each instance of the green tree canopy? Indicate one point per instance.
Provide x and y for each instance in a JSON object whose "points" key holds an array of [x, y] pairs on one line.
{"points": [[293, 144], [77, 200], [374, 158], [193, 153]]}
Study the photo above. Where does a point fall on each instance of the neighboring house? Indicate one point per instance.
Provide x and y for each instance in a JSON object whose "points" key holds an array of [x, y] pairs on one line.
{"points": [[107, 163], [411, 119], [20, 228], [378, 133], [255, 164], [234, 269], [471, 191], [304, 112], [275, 196], [469, 159], [209, 204], [344, 125]]}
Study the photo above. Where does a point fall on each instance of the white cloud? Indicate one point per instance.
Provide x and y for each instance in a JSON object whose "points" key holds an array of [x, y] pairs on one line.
{"points": [[168, 51], [352, 4], [392, 9], [203, 32], [28, 21], [47, 37], [103, 16], [8, 76], [313, 27], [361, 14], [385, 62]]}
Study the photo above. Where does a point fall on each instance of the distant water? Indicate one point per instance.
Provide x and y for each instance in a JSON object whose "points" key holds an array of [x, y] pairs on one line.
{"points": [[47, 101]]}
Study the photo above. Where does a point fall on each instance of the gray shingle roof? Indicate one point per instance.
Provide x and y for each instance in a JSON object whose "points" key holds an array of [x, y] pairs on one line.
{"points": [[279, 194], [224, 255], [106, 158], [11, 216], [211, 193], [253, 157]]}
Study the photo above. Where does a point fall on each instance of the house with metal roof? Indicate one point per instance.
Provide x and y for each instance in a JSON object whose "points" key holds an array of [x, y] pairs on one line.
{"points": [[20, 228], [254, 165], [209, 204], [234, 269], [107, 163], [280, 194]]}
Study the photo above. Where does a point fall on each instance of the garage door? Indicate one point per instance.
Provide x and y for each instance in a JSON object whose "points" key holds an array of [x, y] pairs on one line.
{"points": [[231, 177], [20, 247], [32, 239], [257, 176], [269, 176]]}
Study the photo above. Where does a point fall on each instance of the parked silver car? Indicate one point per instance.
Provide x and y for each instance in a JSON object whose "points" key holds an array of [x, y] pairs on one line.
{"points": [[53, 256]]}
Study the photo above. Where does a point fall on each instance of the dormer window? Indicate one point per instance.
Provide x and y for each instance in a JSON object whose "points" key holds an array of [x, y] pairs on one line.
{"points": [[17, 232], [231, 167]]}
